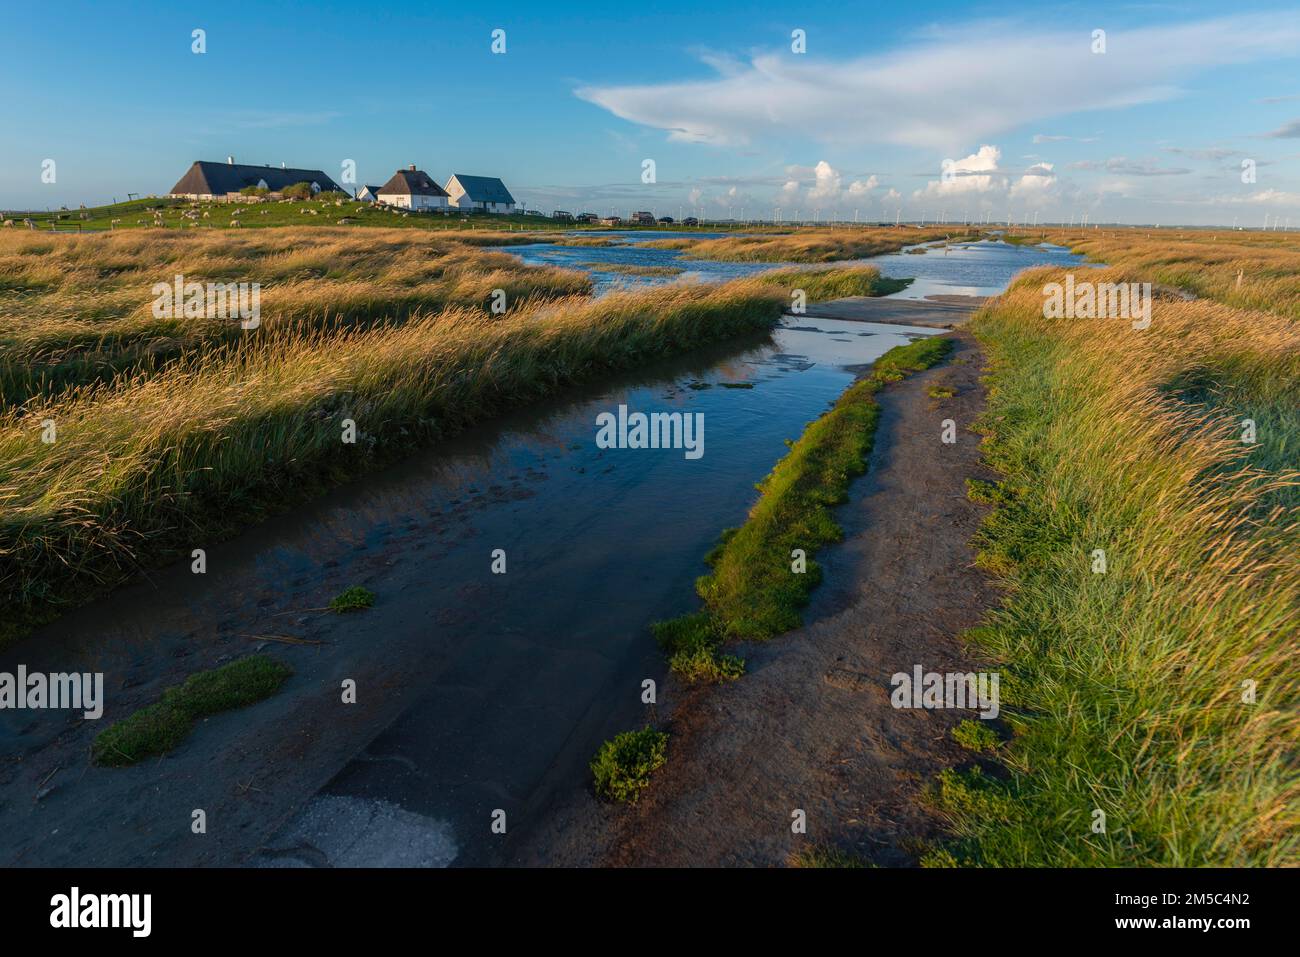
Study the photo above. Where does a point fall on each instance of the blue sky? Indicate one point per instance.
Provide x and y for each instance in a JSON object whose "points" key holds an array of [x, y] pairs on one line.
{"points": [[1029, 119]]}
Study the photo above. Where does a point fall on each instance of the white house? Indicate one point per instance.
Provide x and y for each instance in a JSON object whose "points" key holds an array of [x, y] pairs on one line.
{"points": [[368, 194], [484, 193], [413, 189]]}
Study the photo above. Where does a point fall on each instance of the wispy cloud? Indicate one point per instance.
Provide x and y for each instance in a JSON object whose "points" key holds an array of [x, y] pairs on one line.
{"points": [[1212, 154], [1287, 131], [947, 91], [1134, 167]]}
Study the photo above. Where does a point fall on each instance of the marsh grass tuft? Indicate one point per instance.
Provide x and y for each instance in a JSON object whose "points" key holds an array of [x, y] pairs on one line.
{"points": [[355, 598], [160, 727], [623, 765]]}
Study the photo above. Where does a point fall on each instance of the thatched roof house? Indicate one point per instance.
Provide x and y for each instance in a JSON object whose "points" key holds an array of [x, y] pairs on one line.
{"points": [[207, 180], [413, 188]]}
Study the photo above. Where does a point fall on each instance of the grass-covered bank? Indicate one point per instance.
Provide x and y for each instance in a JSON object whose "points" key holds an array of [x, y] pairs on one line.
{"points": [[1151, 687], [763, 571], [826, 284], [146, 470]]}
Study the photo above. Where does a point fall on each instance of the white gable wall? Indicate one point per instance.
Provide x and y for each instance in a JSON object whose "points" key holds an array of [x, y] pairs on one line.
{"points": [[407, 201]]}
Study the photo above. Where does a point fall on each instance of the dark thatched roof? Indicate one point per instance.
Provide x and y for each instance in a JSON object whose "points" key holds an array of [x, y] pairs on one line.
{"points": [[217, 179], [412, 182]]}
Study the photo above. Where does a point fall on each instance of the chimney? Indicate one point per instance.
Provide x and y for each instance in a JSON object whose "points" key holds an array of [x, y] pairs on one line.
{"points": [[412, 167], [230, 161]]}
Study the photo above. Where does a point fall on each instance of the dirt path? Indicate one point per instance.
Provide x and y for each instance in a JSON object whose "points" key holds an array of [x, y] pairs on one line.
{"points": [[811, 726]]}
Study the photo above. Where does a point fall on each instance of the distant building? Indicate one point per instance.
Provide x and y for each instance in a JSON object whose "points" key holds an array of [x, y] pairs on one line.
{"points": [[690, 221], [642, 218], [368, 194], [484, 193], [610, 220], [587, 218], [563, 214], [666, 220], [208, 180], [412, 188]]}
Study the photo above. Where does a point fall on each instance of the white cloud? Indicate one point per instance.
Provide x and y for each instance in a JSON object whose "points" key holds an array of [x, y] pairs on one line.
{"points": [[826, 185], [971, 174], [822, 186], [960, 87], [861, 188]]}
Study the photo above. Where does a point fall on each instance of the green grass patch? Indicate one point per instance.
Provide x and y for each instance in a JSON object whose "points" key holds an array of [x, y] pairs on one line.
{"points": [[825, 856], [976, 736], [352, 599], [623, 765], [159, 727]]}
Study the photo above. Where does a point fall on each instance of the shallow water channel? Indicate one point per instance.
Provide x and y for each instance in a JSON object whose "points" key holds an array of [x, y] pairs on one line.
{"points": [[475, 691], [964, 269]]}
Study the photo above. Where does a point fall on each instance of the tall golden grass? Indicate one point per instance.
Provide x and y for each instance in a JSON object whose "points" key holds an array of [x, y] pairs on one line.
{"points": [[1130, 691], [1252, 270], [79, 308], [152, 465]]}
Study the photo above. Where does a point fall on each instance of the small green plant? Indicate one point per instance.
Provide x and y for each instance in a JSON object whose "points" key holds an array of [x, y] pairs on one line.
{"points": [[159, 727], [941, 392], [623, 765], [938, 857], [691, 643], [823, 855], [352, 599], [976, 736]]}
